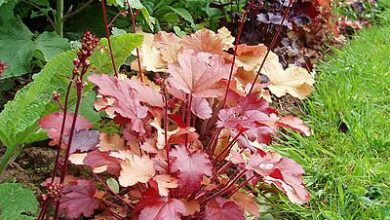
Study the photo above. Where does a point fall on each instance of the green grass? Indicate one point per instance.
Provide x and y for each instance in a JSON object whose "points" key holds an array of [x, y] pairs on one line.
{"points": [[348, 173]]}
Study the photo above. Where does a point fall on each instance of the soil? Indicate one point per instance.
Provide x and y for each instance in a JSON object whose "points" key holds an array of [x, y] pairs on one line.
{"points": [[31, 167]]}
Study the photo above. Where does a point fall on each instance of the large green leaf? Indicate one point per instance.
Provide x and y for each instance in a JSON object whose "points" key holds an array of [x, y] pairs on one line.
{"points": [[18, 43], [19, 118], [50, 44], [17, 203], [16, 48]]}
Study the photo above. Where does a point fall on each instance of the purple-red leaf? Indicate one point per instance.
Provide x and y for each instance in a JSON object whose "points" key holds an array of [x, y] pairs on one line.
{"points": [[154, 207], [52, 124], [78, 199], [190, 168], [84, 141], [220, 209]]}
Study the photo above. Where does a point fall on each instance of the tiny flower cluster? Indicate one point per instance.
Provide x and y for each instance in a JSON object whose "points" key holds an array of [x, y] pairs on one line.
{"points": [[88, 44]]}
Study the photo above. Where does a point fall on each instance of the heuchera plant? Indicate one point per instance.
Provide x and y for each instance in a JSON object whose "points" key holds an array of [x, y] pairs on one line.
{"points": [[193, 140]]}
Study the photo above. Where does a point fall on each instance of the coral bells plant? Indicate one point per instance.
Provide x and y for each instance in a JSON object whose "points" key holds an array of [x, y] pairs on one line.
{"points": [[189, 143]]}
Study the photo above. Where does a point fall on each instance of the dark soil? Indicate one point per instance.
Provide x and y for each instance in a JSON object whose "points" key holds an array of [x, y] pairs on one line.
{"points": [[31, 167]]}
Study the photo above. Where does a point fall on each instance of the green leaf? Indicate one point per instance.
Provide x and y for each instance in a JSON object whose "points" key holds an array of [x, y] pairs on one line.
{"points": [[136, 4], [178, 31], [113, 184], [41, 2], [50, 44], [19, 118], [16, 47], [151, 21], [117, 31], [17, 203], [183, 13], [87, 107], [17, 44], [122, 46]]}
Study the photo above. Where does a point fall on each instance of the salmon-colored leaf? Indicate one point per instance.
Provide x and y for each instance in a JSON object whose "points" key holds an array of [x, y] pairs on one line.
{"points": [[134, 168], [197, 73], [294, 123]]}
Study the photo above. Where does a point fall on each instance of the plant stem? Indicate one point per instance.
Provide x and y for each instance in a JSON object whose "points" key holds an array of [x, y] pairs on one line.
{"points": [[274, 39], [60, 18], [133, 24], [237, 42], [78, 11], [112, 192], [9, 153], [227, 148], [104, 11], [167, 147], [62, 129]]}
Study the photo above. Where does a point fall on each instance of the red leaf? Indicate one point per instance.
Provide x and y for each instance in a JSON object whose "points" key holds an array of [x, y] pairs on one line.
{"points": [[84, 141], [127, 99], [78, 199], [294, 123], [220, 209], [52, 124], [154, 207], [284, 173], [197, 73], [191, 168], [102, 161], [253, 115]]}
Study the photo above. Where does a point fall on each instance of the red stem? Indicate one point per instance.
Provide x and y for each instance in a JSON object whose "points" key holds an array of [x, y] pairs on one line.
{"points": [[237, 42], [274, 39], [228, 147], [108, 37], [167, 147], [62, 130], [213, 144], [240, 186], [133, 24], [112, 192], [226, 188], [113, 19], [79, 87], [188, 122]]}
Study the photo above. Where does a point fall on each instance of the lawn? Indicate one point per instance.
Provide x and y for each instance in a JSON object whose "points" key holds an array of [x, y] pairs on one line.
{"points": [[347, 157]]}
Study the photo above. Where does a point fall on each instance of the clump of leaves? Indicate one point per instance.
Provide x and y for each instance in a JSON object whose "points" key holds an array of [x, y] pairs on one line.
{"points": [[353, 15], [307, 26], [193, 142]]}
